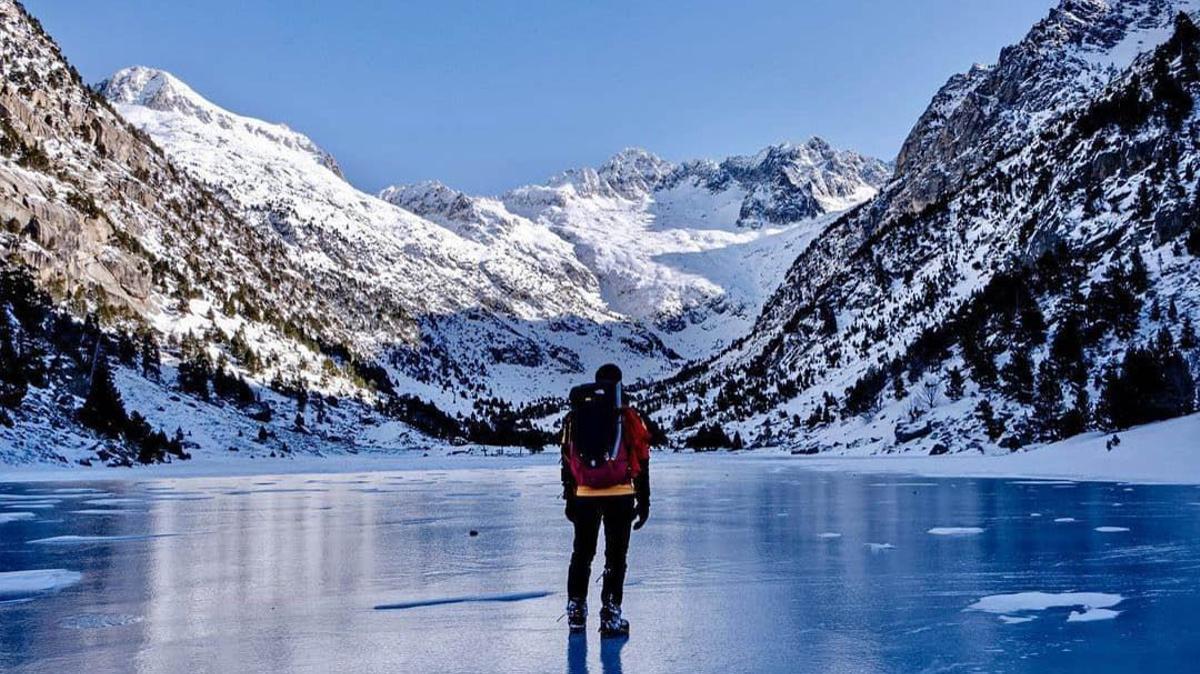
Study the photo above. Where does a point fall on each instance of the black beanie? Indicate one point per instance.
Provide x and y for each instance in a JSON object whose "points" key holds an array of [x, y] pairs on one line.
{"points": [[608, 373]]}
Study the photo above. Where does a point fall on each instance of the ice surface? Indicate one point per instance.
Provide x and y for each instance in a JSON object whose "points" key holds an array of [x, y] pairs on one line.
{"points": [[955, 531], [289, 581], [21, 584], [96, 621]]}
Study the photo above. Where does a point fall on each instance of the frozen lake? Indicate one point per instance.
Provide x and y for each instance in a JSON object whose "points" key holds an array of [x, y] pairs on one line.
{"points": [[745, 565]]}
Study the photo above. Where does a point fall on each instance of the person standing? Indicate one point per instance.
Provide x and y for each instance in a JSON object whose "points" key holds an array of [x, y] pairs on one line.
{"points": [[606, 484]]}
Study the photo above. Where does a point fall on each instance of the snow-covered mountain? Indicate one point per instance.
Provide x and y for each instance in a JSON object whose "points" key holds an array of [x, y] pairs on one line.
{"points": [[691, 249], [1032, 262], [236, 248], [1026, 270], [500, 301]]}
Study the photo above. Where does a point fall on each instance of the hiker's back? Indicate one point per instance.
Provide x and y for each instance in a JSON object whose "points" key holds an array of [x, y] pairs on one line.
{"points": [[595, 427]]}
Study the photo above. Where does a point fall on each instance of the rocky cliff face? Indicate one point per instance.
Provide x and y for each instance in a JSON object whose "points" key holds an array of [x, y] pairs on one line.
{"points": [[1029, 189]]}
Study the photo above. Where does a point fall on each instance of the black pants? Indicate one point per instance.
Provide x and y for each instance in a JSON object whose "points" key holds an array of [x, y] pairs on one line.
{"points": [[616, 513]]}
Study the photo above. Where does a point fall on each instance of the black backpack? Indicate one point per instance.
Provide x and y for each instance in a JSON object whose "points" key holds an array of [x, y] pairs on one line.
{"points": [[596, 422]]}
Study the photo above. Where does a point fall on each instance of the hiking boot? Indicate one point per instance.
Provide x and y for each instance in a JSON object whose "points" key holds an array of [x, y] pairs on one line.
{"points": [[576, 615], [611, 622]]}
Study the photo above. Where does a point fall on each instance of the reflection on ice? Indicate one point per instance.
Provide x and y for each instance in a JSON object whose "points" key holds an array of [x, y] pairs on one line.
{"points": [[477, 599], [286, 575]]}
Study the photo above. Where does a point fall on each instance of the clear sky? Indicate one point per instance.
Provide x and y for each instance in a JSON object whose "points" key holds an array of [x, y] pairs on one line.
{"points": [[489, 95]]}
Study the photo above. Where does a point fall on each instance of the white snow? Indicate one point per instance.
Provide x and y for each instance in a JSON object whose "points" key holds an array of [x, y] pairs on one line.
{"points": [[21, 584], [1064, 520], [1111, 530], [955, 531], [1016, 620], [880, 547], [1040, 601], [829, 535], [1092, 614], [1159, 453], [80, 540]]}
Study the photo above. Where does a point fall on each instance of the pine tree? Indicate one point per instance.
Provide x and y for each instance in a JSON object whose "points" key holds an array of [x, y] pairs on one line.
{"points": [[1067, 351], [1018, 377], [1139, 277], [13, 380], [103, 411], [1187, 335], [1047, 402], [194, 373], [1151, 384], [1077, 419], [955, 384], [986, 415], [151, 358]]}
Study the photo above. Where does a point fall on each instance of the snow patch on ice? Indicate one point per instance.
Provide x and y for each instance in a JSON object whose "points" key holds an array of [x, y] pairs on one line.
{"points": [[1064, 520], [955, 531], [1015, 620], [880, 547], [80, 540], [829, 535], [1091, 615], [1095, 605], [1111, 530], [5, 518], [112, 501], [23, 584]]}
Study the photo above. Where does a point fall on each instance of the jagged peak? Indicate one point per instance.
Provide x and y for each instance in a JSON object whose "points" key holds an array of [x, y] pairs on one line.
{"points": [[155, 89], [159, 90], [426, 195]]}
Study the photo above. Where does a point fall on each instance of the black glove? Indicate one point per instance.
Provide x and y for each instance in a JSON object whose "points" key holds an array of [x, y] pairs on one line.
{"points": [[569, 510], [643, 513]]}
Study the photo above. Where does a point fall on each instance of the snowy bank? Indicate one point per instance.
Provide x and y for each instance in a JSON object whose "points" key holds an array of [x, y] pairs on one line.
{"points": [[1167, 452]]}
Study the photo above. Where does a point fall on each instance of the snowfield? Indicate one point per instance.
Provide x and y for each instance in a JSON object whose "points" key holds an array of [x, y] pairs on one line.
{"points": [[1167, 452]]}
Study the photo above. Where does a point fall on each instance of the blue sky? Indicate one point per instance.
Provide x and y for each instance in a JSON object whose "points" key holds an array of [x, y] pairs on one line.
{"points": [[485, 96]]}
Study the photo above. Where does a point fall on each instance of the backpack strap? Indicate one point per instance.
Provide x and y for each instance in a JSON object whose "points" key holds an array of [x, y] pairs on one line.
{"points": [[616, 448]]}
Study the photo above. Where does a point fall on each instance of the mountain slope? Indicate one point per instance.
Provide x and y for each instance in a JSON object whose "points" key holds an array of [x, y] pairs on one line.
{"points": [[129, 256], [497, 304], [997, 290]]}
